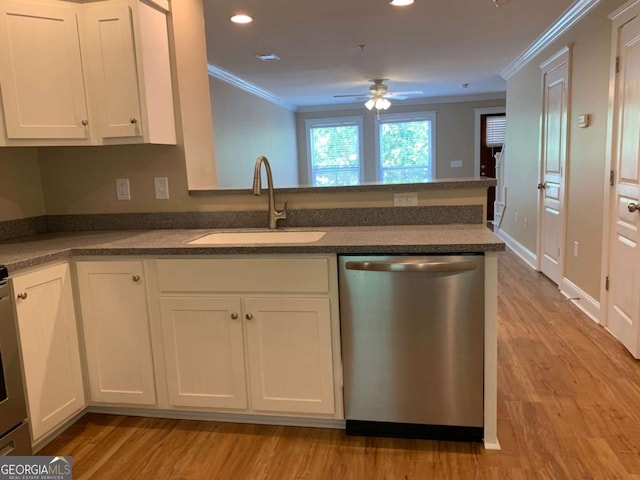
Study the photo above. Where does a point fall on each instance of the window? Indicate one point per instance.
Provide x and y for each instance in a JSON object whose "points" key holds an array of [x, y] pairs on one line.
{"points": [[334, 150], [406, 147], [495, 131]]}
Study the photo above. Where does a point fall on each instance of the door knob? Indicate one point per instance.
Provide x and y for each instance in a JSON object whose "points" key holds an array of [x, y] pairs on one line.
{"points": [[22, 296], [542, 186], [633, 207]]}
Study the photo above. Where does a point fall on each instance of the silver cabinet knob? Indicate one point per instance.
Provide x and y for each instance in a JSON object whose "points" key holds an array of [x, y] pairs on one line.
{"points": [[135, 278], [249, 316], [84, 123], [234, 316], [633, 207], [23, 296], [133, 120]]}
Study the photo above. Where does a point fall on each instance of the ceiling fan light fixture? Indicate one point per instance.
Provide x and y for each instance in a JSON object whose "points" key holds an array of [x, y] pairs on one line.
{"points": [[370, 104], [401, 3]]}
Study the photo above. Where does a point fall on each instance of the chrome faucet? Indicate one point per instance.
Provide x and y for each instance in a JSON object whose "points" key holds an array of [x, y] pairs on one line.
{"points": [[274, 215]]}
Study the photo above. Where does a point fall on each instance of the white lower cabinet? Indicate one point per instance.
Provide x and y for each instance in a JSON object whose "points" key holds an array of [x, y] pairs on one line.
{"points": [[49, 347], [269, 349], [117, 340], [204, 352], [289, 354]]}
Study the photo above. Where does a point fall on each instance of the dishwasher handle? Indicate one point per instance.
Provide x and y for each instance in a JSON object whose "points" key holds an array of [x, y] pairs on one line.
{"points": [[425, 267]]}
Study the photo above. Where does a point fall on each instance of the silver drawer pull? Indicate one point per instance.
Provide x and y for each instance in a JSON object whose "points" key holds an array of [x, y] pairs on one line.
{"points": [[234, 316], [23, 296], [133, 120], [249, 316], [136, 278]]}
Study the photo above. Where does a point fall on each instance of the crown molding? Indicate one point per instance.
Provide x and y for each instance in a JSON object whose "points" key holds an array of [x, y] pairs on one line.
{"points": [[567, 20], [230, 78], [415, 101]]}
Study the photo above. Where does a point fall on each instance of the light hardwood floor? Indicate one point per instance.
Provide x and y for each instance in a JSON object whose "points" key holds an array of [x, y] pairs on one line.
{"points": [[569, 408]]}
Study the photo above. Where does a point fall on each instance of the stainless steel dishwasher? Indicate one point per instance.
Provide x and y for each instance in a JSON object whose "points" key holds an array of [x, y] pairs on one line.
{"points": [[413, 345]]}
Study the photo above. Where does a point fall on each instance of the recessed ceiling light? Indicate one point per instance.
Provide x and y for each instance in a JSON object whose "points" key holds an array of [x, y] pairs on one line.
{"points": [[241, 18], [267, 57], [401, 3]]}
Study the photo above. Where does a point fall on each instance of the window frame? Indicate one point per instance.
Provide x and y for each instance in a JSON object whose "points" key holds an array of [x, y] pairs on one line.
{"points": [[422, 115], [334, 122]]}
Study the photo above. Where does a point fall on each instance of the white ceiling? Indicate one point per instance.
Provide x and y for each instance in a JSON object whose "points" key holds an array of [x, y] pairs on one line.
{"points": [[433, 46]]}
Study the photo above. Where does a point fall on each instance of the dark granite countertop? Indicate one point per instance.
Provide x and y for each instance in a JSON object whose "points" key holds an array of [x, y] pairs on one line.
{"points": [[24, 252]]}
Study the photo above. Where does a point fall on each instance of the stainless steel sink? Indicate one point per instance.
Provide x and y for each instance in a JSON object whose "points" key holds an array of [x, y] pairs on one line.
{"points": [[261, 237]]}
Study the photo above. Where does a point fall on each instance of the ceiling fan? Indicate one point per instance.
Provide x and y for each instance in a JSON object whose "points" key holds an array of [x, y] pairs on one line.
{"points": [[379, 95]]}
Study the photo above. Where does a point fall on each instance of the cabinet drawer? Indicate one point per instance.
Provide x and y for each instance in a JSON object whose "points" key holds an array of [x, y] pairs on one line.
{"points": [[269, 275]]}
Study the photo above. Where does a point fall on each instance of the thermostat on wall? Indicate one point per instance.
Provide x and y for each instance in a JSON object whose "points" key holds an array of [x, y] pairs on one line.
{"points": [[583, 120]]}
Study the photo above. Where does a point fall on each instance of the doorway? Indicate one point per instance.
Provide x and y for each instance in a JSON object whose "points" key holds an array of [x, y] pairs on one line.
{"points": [[490, 132]]}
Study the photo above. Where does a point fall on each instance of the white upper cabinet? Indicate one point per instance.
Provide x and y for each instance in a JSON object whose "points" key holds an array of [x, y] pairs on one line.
{"points": [[41, 74], [85, 73]]}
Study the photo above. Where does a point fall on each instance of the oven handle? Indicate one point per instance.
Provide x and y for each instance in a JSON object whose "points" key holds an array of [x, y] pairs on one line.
{"points": [[7, 449]]}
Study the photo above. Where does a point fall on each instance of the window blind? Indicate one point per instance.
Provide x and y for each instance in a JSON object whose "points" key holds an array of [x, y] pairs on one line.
{"points": [[495, 133]]}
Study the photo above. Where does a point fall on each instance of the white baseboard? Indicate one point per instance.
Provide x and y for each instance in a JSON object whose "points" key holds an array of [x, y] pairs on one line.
{"points": [[523, 252], [222, 417], [492, 445], [582, 300]]}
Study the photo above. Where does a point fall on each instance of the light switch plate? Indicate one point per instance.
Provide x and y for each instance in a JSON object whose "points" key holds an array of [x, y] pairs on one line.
{"points": [[123, 192], [161, 187], [583, 120]]}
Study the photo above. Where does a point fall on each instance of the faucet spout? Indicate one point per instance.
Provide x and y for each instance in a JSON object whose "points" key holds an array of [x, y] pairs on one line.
{"points": [[274, 214]]}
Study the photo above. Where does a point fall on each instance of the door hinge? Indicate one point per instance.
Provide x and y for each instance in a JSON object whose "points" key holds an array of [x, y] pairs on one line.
{"points": [[612, 177], [617, 64], [606, 283]]}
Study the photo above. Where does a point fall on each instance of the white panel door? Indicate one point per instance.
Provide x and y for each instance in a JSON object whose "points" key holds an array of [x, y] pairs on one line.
{"points": [[289, 354], [204, 352], [110, 57], [553, 152], [115, 318], [624, 259], [49, 346], [41, 71]]}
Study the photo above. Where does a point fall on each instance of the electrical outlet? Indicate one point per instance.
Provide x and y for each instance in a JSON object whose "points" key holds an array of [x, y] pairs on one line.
{"points": [[455, 163], [576, 249], [405, 199], [123, 192], [161, 185]]}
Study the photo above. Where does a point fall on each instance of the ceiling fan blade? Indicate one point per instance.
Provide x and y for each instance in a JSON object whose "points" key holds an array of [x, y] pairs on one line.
{"points": [[398, 97], [408, 92], [358, 95]]}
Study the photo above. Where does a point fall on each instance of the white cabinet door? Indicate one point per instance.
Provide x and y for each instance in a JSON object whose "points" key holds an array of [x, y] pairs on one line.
{"points": [[289, 354], [204, 354], [41, 74], [110, 57], [49, 345], [116, 332]]}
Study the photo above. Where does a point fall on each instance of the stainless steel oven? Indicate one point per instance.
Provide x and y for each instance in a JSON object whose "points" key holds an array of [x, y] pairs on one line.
{"points": [[14, 430]]}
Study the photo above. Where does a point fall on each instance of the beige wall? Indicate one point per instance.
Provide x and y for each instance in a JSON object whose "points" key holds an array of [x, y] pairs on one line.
{"points": [[455, 130], [591, 40], [245, 127], [20, 190]]}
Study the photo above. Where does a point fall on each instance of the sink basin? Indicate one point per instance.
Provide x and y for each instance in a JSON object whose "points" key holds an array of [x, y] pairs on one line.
{"points": [[250, 238]]}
